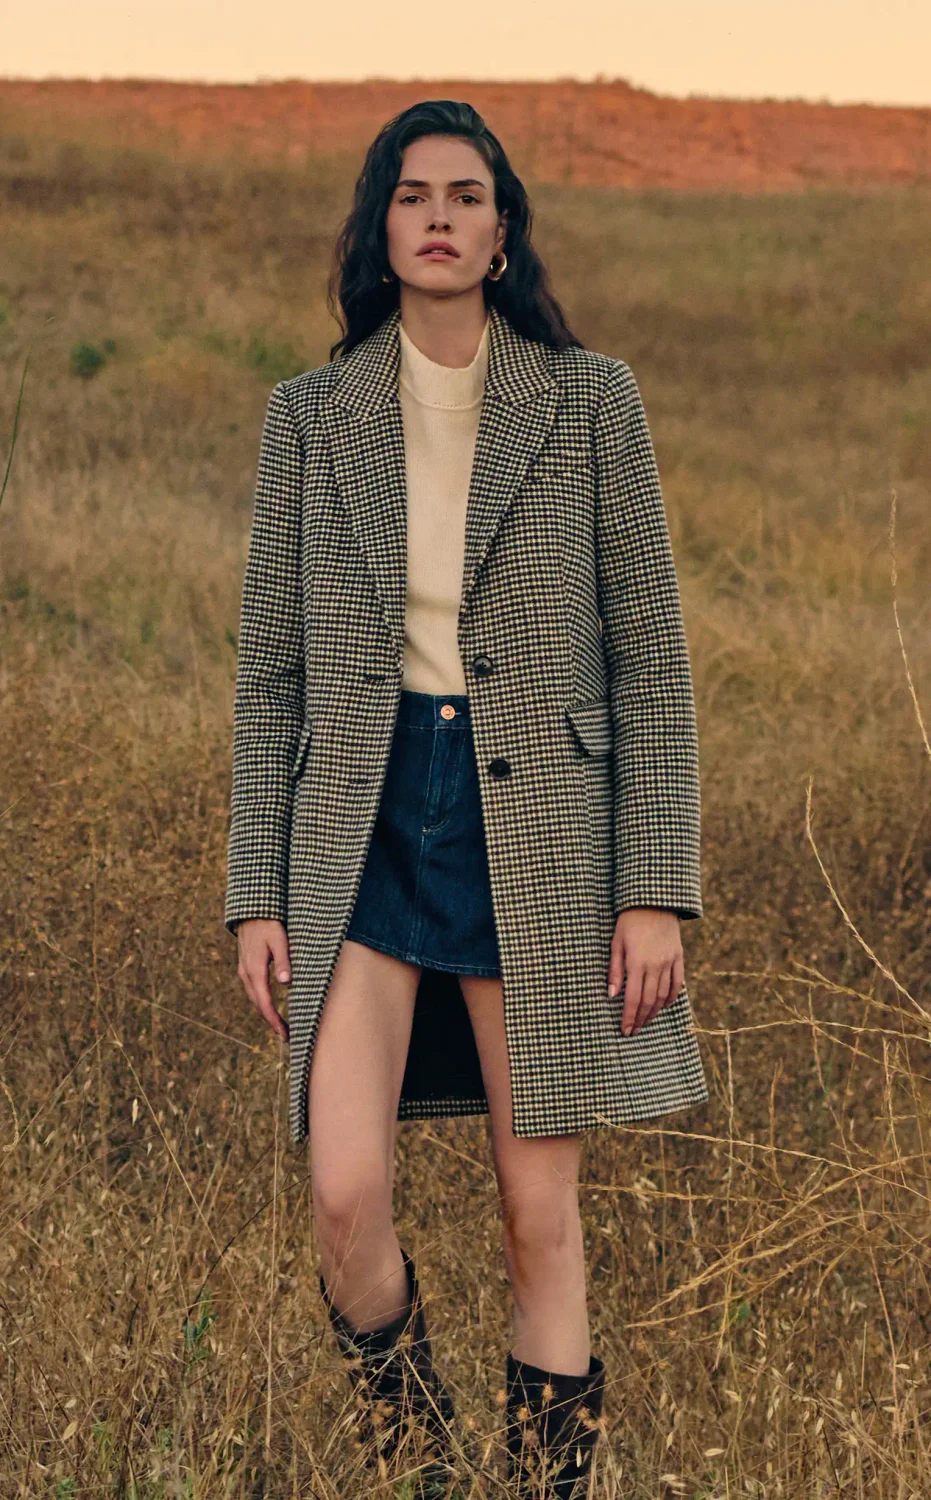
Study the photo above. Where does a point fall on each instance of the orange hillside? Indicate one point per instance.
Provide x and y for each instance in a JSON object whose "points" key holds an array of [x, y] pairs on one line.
{"points": [[604, 133]]}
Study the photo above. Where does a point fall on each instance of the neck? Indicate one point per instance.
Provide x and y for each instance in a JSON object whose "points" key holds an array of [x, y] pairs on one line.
{"points": [[446, 329]]}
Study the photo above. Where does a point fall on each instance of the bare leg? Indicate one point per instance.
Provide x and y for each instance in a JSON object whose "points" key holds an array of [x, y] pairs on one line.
{"points": [[355, 1082], [538, 1188]]}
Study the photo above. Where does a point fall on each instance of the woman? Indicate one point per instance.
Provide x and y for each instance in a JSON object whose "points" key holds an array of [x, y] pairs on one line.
{"points": [[465, 808]]}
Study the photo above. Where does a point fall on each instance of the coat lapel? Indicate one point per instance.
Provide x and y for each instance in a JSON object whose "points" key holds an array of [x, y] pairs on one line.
{"points": [[364, 427]]}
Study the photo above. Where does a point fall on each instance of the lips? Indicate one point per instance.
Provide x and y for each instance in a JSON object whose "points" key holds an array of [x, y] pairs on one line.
{"points": [[439, 249]]}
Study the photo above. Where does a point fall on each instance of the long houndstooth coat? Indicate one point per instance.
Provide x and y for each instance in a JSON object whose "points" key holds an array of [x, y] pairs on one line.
{"points": [[571, 637]]}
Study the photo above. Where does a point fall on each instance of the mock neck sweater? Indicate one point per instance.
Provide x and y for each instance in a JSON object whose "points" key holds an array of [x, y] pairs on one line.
{"points": [[440, 407]]}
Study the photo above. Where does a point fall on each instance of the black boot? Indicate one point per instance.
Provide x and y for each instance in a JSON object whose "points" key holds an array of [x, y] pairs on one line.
{"points": [[553, 1422], [403, 1409]]}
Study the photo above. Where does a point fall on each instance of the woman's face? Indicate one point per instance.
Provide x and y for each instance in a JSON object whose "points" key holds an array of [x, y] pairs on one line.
{"points": [[444, 192]]}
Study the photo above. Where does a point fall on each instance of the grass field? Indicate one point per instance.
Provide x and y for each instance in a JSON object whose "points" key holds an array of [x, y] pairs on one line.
{"points": [[759, 1269]]}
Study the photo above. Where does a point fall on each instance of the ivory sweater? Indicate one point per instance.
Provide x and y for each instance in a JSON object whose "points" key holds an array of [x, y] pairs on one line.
{"points": [[440, 408]]}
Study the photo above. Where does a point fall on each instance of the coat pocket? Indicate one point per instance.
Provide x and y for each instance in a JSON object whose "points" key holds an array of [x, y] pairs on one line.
{"points": [[303, 746], [564, 467], [592, 725]]}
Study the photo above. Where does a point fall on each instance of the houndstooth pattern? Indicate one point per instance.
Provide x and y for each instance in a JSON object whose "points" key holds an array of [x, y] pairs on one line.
{"points": [[569, 587]]}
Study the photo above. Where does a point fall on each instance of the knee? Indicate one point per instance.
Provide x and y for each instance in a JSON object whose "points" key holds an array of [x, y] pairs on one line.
{"points": [[348, 1205], [541, 1230]]}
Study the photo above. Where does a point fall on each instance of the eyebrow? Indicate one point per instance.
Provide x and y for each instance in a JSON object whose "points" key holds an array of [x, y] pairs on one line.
{"points": [[457, 182]]}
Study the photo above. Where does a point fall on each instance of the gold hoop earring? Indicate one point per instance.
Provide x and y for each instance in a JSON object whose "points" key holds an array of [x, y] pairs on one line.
{"points": [[500, 273]]}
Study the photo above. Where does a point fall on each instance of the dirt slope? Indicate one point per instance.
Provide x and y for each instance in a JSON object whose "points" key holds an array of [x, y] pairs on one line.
{"points": [[604, 133]]}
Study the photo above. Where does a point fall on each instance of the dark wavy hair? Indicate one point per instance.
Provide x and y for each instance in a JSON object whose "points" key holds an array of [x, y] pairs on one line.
{"points": [[358, 297]]}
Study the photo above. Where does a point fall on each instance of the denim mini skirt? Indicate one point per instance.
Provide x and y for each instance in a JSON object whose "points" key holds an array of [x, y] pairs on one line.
{"points": [[425, 894]]}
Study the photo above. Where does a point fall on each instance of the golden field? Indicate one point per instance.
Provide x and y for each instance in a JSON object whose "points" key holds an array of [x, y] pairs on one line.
{"points": [[759, 1269]]}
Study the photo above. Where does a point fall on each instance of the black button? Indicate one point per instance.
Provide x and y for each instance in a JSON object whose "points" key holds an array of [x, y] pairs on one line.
{"points": [[483, 666], [374, 676], [499, 768]]}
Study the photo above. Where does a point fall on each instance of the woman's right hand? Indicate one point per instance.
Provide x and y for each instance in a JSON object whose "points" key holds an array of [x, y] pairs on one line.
{"points": [[261, 940]]}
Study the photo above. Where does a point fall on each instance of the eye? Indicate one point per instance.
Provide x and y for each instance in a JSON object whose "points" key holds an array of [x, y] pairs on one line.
{"points": [[413, 197]]}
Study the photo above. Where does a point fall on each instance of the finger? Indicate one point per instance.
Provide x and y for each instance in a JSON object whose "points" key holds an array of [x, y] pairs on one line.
{"points": [[243, 973], [632, 996], [678, 977], [280, 956], [663, 992], [269, 1014], [647, 998], [257, 970], [615, 965], [262, 998]]}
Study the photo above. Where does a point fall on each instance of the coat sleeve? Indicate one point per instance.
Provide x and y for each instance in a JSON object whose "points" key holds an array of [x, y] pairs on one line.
{"points": [[268, 711], [656, 781]]}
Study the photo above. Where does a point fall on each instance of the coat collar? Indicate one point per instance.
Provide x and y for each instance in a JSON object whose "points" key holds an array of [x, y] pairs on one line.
{"points": [[367, 377], [363, 421]]}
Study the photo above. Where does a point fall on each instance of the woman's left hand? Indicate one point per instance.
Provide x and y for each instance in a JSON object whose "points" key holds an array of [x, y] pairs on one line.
{"points": [[646, 944]]}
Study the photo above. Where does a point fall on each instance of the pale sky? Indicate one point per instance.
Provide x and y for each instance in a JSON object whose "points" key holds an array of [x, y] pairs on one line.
{"points": [[842, 51]]}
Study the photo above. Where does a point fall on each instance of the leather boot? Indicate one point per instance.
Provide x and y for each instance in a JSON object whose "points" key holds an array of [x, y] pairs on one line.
{"points": [[553, 1422], [403, 1409]]}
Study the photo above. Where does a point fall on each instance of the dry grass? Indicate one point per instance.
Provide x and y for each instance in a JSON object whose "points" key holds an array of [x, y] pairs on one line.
{"points": [[758, 1269]]}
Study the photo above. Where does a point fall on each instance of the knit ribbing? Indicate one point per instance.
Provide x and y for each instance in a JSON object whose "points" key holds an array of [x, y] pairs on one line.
{"points": [[445, 387]]}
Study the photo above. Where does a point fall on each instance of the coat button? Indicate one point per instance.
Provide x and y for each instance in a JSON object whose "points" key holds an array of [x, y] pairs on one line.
{"points": [[483, 666], [499, 769]]}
